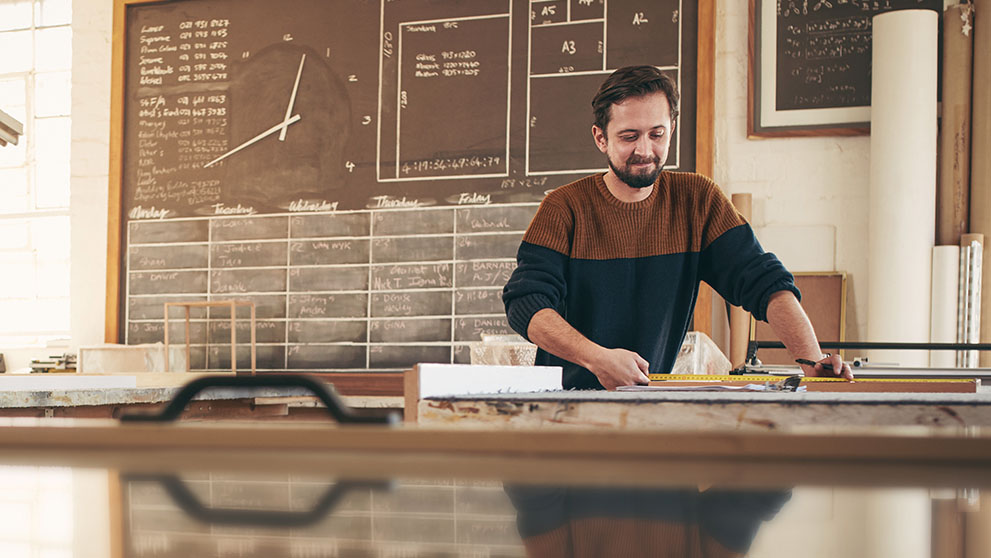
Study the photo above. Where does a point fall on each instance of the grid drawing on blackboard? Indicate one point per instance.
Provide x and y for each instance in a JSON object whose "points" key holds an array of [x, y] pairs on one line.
{"points": [[570, 52], [333, 291]]}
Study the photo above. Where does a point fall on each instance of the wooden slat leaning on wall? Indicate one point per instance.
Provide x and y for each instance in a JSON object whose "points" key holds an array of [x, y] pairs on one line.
{"points": [[704, 134]]}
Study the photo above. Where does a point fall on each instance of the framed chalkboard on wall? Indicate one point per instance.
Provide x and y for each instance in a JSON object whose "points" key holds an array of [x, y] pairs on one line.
{"points": [[363, 171], [810, 65]]}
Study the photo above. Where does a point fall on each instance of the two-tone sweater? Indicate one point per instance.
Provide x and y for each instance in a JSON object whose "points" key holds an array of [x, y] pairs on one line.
{"points": [[626, 275], [589, 522]]}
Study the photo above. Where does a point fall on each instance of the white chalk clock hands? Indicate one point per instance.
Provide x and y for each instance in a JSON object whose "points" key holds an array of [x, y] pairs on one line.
{"points": [[281, 127]]}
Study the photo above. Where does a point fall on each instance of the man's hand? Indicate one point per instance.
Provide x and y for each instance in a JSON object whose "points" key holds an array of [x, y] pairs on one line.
{"points": [[619, 367], [613, 367], [835, 367]]}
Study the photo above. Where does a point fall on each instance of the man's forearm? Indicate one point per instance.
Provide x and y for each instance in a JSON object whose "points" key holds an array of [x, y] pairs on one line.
{"points": [[789, 322], [549, 331], [792, 326]]}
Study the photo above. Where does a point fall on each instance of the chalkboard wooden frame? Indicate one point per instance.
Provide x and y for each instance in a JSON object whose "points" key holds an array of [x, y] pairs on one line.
{"points": [[852, 121], [704, 152]]}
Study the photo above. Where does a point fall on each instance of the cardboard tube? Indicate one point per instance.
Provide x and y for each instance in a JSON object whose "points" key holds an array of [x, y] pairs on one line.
{"points": [[739, 319], [980, 166], [947, 529], [902, 181], [953, 184], [945, 286], [977, 531]]}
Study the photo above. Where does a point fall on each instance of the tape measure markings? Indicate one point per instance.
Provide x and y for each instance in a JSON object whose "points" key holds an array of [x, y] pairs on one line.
{"points": [[714, 378]]}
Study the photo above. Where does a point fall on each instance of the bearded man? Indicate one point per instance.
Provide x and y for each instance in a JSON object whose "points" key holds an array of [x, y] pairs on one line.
{"points": [[608, 270]]}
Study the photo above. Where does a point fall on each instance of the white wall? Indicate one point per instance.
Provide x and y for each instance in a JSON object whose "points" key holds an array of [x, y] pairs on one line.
{"points": [[810, 195], [91, 40], [807, 188]]}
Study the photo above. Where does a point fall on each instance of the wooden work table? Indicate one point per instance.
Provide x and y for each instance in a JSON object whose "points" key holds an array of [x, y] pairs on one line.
{"points": [[201, 489], [694, 410], [108, 396], [531, 398]]}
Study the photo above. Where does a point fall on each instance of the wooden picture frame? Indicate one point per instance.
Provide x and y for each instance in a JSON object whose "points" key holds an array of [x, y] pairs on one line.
{"points": [[764, 118]]}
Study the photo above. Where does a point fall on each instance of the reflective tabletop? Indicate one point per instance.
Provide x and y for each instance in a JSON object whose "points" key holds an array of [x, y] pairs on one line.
{"points": [[105, 489]]}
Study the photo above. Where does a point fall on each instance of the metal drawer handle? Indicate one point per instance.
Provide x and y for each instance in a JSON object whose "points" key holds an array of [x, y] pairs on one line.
{"points": [[191, 505]]}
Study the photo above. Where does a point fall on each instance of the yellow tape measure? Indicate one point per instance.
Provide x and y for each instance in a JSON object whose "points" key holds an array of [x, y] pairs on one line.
{"points": [[770, 378]]}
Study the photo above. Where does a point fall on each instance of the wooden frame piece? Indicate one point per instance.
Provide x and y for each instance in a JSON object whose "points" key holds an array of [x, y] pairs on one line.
{"points": [[232, 304], [115, 221], [761, 64], [705, 138]]}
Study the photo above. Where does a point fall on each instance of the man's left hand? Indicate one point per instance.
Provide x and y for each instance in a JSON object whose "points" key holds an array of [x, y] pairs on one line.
{"points": [[838, 368]]}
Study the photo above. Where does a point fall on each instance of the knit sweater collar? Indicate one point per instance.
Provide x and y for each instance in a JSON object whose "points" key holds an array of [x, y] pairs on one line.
{"points": [[600, 184]]}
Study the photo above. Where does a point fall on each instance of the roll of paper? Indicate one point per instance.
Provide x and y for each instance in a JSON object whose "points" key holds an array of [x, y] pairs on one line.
{"points": [[953, 186], [980, 165], [963, 304], [902, 181], [969, 307], [945, 286], [739, 319], [969, 297]]}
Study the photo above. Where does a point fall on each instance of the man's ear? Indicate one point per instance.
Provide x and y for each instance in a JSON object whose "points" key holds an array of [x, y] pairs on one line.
{"points": [[599, 135]]}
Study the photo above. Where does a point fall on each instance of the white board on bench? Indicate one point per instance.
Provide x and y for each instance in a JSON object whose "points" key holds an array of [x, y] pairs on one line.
{"points": [[438, 380]]}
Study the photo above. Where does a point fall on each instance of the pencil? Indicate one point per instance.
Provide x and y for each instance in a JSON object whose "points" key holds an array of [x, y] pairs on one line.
{"points": [[807, 362]]}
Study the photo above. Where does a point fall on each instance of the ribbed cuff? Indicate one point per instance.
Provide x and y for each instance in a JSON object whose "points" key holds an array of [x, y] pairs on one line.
{"points": [[782, 285], [521, 311]]}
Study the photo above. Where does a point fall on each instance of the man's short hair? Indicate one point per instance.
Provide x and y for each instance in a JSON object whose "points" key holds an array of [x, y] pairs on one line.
{"points": [[632, 81]]}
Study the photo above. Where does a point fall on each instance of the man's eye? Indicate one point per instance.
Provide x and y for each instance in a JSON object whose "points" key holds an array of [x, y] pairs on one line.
{"points": [[628, 138], [657, 135]]}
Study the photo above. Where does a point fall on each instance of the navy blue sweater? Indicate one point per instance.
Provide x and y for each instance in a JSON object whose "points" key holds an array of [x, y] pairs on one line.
{"points": [[626, 275]]}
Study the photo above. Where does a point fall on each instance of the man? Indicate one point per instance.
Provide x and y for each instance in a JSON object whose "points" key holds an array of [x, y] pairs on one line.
{"points": [[608, 270]]}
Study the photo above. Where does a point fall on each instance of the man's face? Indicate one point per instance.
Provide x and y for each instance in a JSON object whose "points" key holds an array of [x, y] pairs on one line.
{"points": [[637, 138]]}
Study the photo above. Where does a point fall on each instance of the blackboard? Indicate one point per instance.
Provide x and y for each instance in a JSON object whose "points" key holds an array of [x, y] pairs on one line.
{"points": [[819, 53], [363, 171]]}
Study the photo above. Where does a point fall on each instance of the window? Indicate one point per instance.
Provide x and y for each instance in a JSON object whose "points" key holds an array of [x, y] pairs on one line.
{"points": [[36, 512], [35, 70]]}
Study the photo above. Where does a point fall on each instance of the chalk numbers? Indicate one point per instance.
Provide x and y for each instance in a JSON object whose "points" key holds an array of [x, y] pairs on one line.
{"points": [[387, 48]]}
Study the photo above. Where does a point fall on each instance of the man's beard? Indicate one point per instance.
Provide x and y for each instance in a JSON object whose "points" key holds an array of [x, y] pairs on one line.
{"points": [[633, 179]]}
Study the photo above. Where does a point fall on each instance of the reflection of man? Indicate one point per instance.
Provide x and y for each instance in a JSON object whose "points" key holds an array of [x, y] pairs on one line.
{"points": [[560, 522], [608, 270]]}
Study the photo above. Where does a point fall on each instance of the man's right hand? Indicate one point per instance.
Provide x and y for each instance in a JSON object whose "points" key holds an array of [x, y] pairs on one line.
{"points": [[619, 367], [613, 367]]}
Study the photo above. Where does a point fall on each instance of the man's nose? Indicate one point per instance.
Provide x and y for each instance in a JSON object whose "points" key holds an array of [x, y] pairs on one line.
{"points": [[642, 146]]}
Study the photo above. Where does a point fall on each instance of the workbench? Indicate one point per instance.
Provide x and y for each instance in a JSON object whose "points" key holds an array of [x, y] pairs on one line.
{"points": [[703, 410], [289, 489], [146, 392]]}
